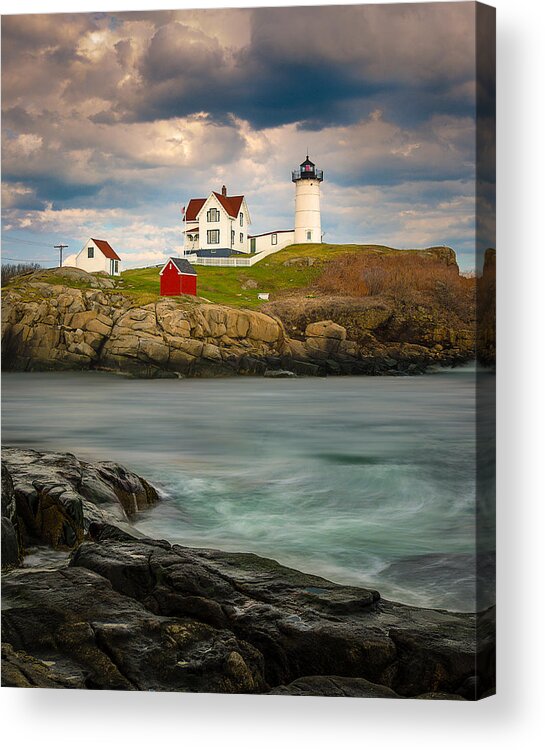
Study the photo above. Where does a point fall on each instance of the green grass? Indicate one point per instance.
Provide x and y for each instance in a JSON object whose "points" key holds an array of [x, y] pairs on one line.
{"points": [[20, 282], [226, 285]]}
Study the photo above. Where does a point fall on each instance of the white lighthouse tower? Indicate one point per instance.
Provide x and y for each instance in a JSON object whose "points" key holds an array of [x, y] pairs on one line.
{"points": [[308, 224]]}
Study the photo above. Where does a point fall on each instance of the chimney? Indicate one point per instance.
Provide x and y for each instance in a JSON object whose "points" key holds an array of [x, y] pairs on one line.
{"points": [[224, 191]]}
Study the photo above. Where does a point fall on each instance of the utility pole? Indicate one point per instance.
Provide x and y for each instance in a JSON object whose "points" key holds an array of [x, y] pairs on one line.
{"points": [[60, 248]]}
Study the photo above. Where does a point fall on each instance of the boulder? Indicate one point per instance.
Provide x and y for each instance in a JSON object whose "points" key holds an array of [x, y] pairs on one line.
{"points": [[301, 624], [48, 326], [326, 329], [335, 687], [57, 496], [10, 544], [263, 328], [173, 321], [153, 349], [96, 638], [140, 614]]}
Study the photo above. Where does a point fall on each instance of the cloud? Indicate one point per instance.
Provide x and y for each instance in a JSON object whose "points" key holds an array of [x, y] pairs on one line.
{"points": [[112, 120]]}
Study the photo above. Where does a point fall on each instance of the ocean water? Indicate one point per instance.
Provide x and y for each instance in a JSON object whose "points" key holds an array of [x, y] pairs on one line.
{"points": [[364, 480]]}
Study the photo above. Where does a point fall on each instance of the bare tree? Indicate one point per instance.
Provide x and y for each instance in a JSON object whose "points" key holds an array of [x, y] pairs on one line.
{"points": [[10, 270]]}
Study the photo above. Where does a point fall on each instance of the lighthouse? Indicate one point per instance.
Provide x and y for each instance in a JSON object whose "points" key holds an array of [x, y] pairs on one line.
{"points": [[308, 224]]}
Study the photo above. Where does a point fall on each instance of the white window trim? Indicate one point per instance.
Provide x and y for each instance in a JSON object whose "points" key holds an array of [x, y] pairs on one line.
{"points": [[210, 233]]}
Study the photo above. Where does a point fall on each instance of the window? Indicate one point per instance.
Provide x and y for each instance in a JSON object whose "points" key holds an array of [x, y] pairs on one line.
{"points": [[274, 239], [241, 237], [232, 236], [90, 252], [212, 214], [116, 266], [309, 235], [213, 236], [241, 217], [252, 245]]}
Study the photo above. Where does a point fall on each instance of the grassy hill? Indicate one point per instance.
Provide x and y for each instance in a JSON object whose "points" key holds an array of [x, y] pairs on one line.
{"points": [[295, 267]]}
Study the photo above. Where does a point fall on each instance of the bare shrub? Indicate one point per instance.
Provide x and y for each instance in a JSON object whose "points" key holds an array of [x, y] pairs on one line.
{"points": [[406, 277], [11, 270]]}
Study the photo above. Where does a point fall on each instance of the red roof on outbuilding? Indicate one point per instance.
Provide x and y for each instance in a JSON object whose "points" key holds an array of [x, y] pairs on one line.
{"points": [[106, 249]]}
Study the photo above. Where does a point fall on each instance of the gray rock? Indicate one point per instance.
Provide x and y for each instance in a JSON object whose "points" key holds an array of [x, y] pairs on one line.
{"points": [[301, 624], [335, 687], [74, 630], [10, 545], [57, 496], [140, 614]]}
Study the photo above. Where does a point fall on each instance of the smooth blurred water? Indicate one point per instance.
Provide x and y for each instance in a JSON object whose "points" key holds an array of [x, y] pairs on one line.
{"points": [[366, 480]]}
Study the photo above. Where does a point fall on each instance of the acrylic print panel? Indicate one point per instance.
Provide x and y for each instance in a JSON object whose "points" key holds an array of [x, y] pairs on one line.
{"points": [[248, 348]]}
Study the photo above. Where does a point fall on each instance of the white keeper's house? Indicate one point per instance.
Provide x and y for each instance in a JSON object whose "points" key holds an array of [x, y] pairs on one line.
{"points": [[217, 228], [96, 255]]}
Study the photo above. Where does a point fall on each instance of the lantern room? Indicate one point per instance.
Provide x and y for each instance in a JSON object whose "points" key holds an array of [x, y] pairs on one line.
{"points": [[307, 171]]}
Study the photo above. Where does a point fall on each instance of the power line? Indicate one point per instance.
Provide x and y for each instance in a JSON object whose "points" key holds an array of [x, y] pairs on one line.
{"points": [[26, 242], [29, 260]]}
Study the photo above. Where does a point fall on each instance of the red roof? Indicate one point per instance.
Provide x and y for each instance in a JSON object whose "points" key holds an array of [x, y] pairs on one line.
{"points": [[106, 249], [193, 208], [231, 203]]}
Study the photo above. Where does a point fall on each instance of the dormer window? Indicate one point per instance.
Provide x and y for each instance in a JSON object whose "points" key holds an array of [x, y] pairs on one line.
{"points": [[213, 214], [90, 252], [241, 218]]}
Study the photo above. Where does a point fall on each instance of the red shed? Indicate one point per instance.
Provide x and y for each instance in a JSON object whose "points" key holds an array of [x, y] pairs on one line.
{"points": [[178, 277]]}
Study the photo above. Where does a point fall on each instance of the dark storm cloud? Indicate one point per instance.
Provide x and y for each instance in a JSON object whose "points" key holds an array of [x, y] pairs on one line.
{"points": [[141, 109], [316, 66], [311, 65], [54, 189]]}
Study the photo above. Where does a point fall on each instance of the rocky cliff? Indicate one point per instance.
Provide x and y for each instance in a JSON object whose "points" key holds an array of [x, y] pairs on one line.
{"points": [[83, 322], [131, 613]]}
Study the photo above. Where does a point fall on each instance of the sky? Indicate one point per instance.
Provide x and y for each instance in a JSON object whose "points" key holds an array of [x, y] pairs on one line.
{"points": [[112, 121]]}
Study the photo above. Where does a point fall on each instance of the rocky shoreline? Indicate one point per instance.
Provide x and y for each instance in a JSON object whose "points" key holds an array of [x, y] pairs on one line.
{"points": [[93, 326], [119, 611]]}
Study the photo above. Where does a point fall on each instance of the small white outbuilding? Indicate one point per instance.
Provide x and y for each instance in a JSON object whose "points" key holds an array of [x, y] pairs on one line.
{"points": [[98, 255]]}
